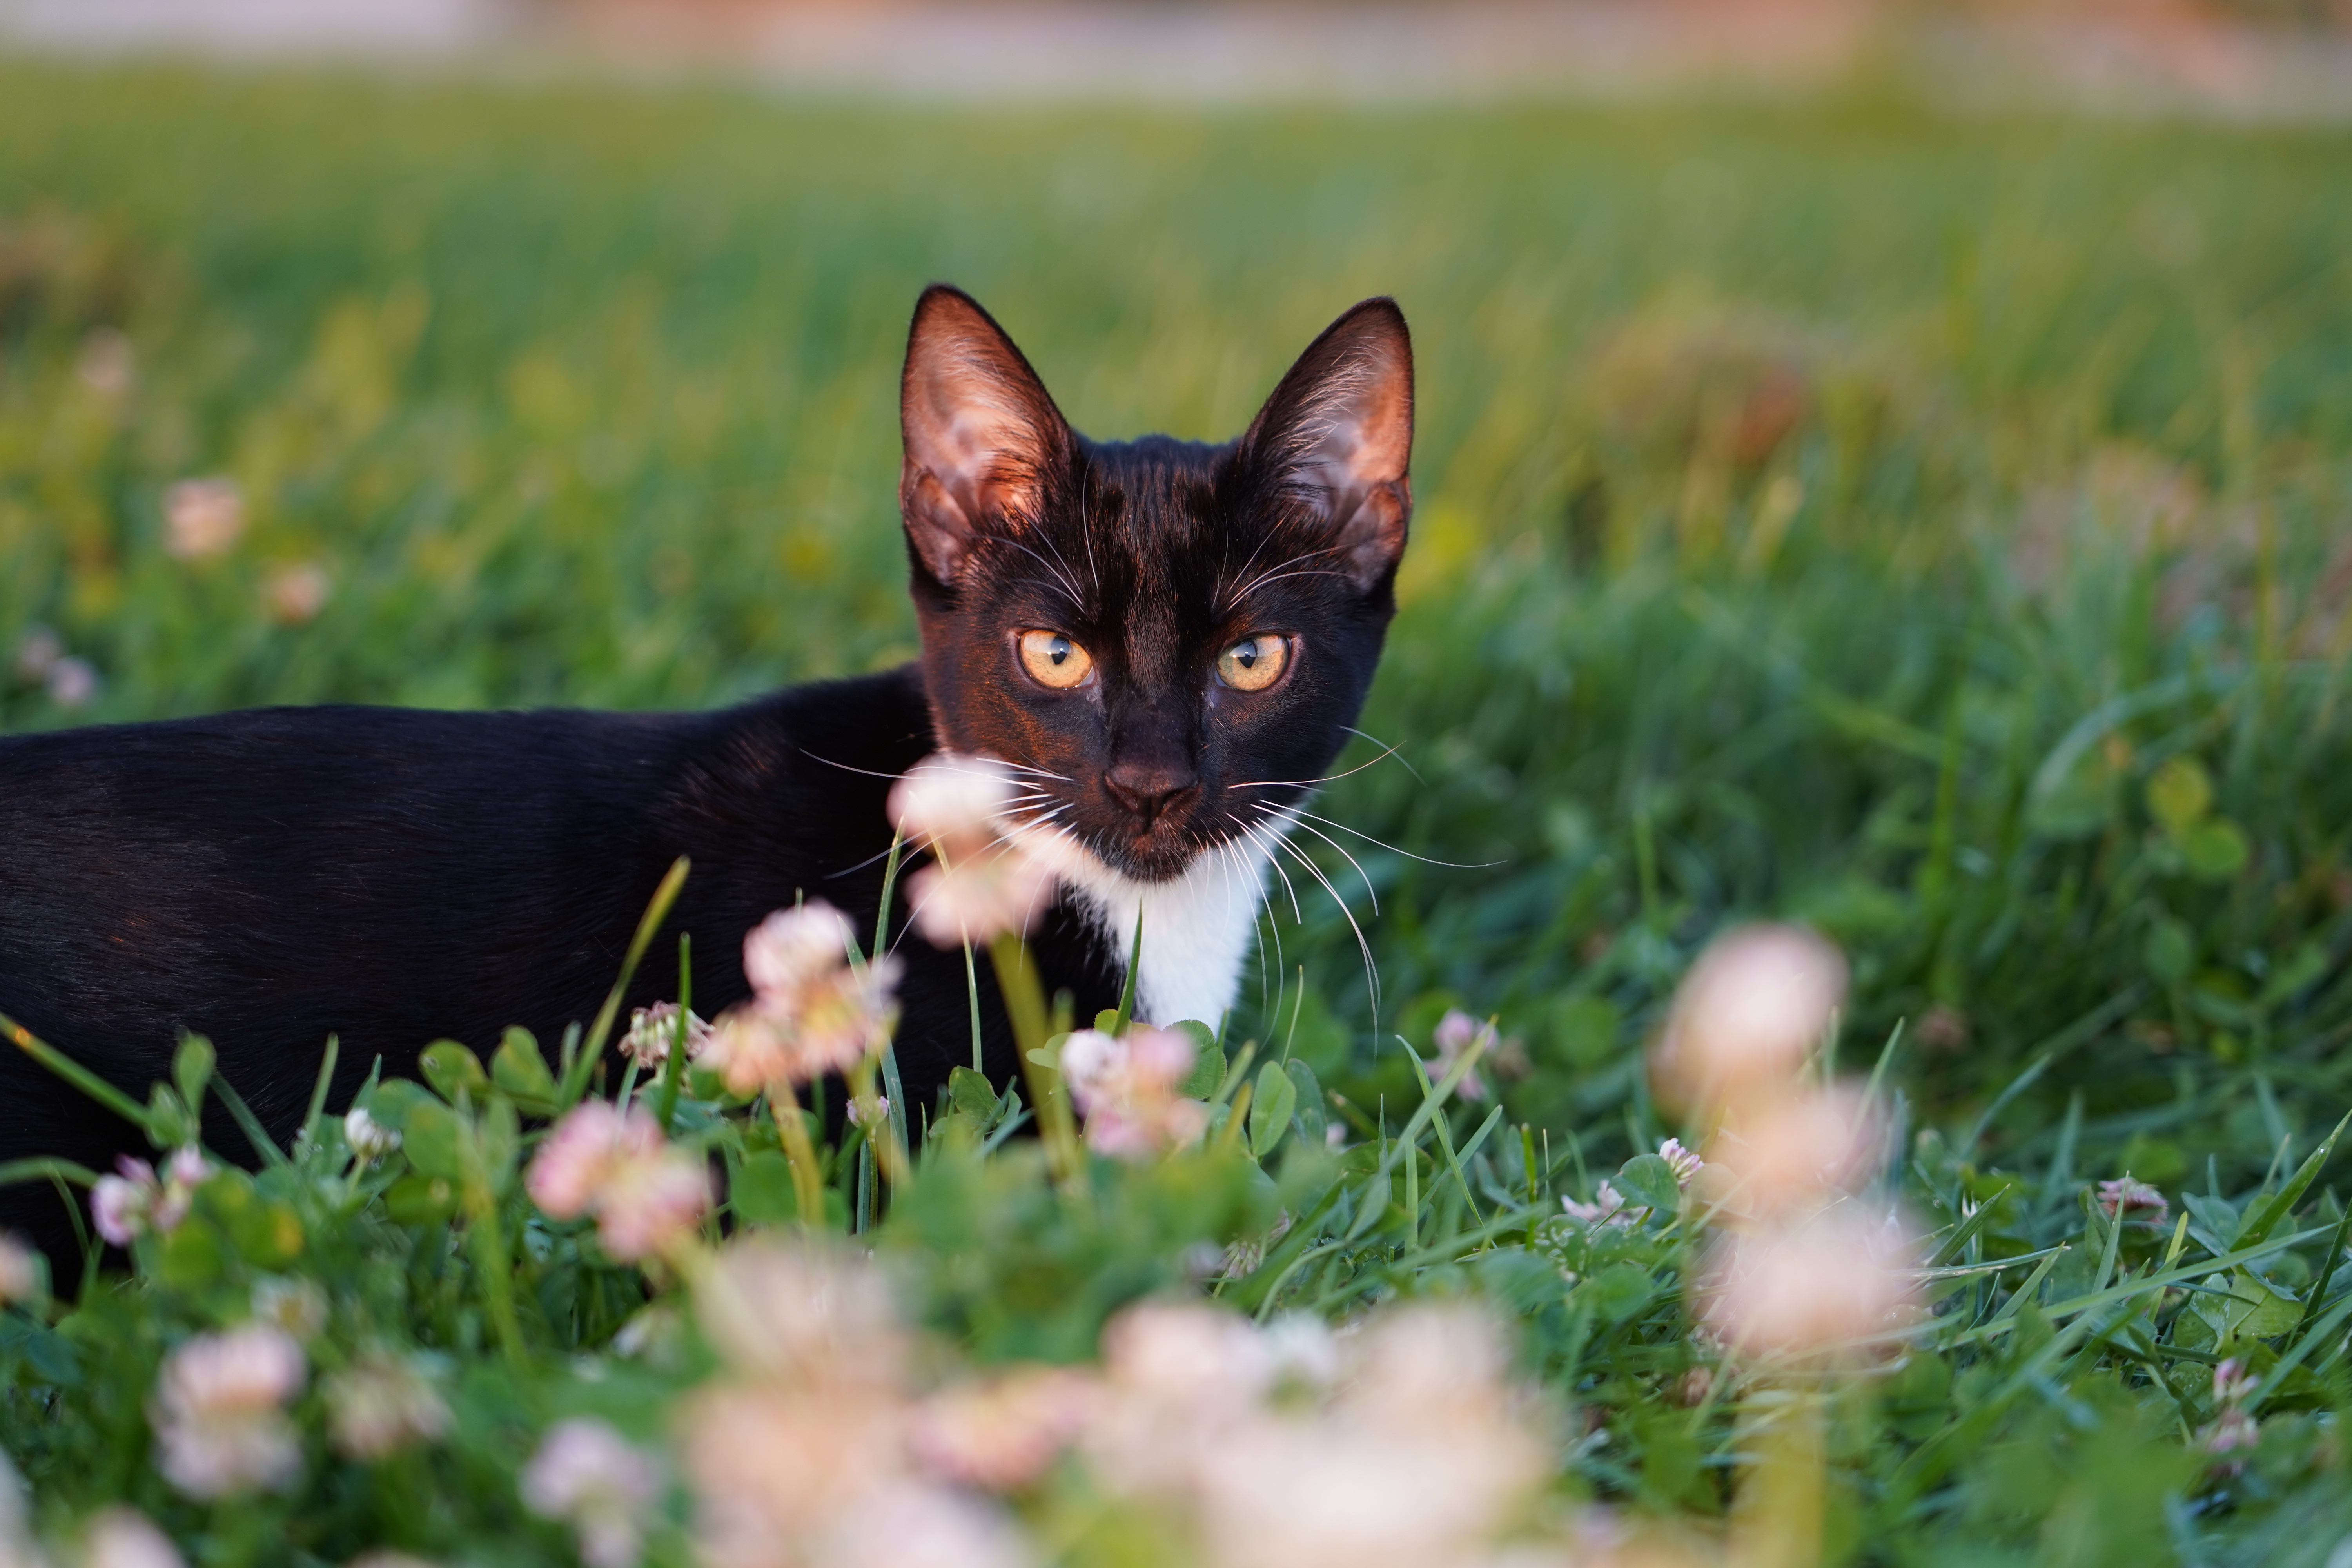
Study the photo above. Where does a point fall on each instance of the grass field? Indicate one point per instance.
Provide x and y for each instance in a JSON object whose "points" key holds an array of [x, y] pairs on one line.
{"points": [[1936, 530]]}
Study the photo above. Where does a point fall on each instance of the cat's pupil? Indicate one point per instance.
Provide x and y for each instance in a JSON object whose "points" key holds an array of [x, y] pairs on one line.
{"points": [[1246, 654], [1058, 650]]}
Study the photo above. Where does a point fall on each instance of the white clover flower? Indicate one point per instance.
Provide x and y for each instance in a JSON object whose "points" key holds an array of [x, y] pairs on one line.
{"points": [[121, 1537], [1751, 1010], [127, 1206], [588, 1476], [73, 683], [982, 880], [1811, 1286], [1681, 1161], [1000, 1433], [1797, 1152], [651, 1031], [382, 1404], [1127, 1090], [1456, 1032], [1607, 1207], [219, 1412], [647, 1195], [370, 1140], [811, 1011]]}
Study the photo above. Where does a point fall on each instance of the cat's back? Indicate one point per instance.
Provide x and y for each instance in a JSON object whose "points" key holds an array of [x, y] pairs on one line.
{"points": [[394, 874]]}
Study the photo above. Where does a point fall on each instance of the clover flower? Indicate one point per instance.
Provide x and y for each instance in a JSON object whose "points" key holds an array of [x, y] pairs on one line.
{"points": [[2132, 1199], [872, 1111], [120, 1537], [382, 1404], [1127, 1090], [1681, 1161], [646, 1195], [1415, 1451], [810, 1425], [999, 1433], [982, 880], [811, 1011], [1456, 1032], [1751, 1010], [1796, 1152], [20, 1270], [219, 1412], [202, 517], [370, 1140], [1607, 1207], [1811, 1286], [128, 1205], [653, 1030], [586, 1475]]}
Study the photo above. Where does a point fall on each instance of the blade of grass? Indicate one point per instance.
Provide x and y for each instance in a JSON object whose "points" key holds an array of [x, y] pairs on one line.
{"points": [[575, 1079]]}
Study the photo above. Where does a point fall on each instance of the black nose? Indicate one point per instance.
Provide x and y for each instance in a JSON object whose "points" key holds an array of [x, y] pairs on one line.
{"points": [[1148, 789]]}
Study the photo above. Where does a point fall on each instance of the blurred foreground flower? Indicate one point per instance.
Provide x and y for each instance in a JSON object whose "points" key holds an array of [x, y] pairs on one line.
{"points": [[202, 517], [1421, 1453], [1794, 1154], [127, 1206], [1127, 1090], [124, 1538], [983, 880], [646, 1195], [1751, 1010], [219, 1412], [382, 1404], [811, 1011], [586, 1475], [20, 1270], [1810, 1287], [1001, 1434]]}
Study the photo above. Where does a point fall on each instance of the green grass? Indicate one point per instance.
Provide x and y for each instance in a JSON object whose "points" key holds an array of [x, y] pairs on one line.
{"points": [[1834, 510]]}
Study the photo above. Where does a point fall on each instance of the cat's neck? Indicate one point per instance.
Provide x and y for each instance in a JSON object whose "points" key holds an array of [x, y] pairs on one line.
{"points": [[1198, 928]]}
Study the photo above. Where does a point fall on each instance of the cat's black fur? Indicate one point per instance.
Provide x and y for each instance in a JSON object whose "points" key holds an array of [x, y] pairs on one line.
{"points": [[393, 877]]}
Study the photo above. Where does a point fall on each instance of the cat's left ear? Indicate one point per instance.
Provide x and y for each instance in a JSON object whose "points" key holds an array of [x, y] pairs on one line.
{"points": [[981, 433], [1337, 435]]}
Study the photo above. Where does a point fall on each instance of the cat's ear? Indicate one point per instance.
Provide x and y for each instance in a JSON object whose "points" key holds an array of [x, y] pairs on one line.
{"points": [[981, 432], [1338, 435]]}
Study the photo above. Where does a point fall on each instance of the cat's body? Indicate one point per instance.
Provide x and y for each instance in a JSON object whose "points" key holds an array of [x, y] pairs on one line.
{"points": [[394, 877]]}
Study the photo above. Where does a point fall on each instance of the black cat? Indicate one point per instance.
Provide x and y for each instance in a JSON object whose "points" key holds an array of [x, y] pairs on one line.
{"points": [[1172, 636]]}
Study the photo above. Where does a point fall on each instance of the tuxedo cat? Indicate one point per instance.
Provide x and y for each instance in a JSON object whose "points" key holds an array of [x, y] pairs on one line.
{"points": [[1168, 639]]}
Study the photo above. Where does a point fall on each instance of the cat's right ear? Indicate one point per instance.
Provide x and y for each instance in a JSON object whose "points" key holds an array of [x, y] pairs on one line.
{"points": [[981, 434]]}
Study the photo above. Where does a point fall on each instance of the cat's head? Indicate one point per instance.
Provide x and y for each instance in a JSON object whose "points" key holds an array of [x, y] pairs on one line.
{"points": [[1174, 636]]}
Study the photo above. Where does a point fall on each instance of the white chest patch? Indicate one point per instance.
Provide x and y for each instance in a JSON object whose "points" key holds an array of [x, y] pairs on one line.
{"points": [[1198, 928]]}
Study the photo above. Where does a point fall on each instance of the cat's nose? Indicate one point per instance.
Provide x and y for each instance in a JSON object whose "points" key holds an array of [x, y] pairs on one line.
{"points": [[1147, 789]]}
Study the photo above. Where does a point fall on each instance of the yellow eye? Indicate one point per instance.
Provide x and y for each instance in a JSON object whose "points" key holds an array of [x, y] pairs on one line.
{"points": [[1054, 660], [1254, 663]]}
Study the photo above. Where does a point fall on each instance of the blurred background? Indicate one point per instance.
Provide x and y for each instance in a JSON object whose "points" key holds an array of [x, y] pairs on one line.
{"points": [[1885, 464]]}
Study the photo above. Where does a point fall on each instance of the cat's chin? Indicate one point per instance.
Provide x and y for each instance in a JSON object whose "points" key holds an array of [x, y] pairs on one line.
{"points": [[1154, 860]]}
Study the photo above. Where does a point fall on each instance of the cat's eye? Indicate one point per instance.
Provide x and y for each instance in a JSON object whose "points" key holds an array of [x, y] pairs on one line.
{"points": [[1254, 663], [1055, 660]]}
